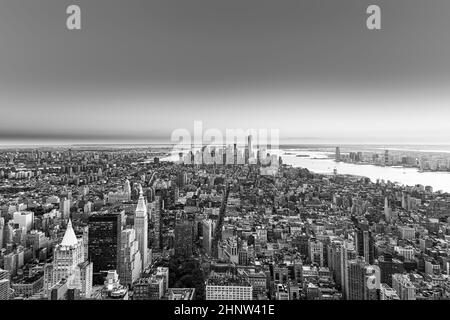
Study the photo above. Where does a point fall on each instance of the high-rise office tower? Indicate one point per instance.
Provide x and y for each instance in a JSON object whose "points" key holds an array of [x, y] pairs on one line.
{"points": [[150, 193], [84, 273], [246, 156], [67, 255], [388, 267], [141, 228], [2, 226], [181, 179], [207, 232], [364, 245], [387, 210], [86, 242], [363, 280], [127, 187], [248, 150], [334, 258], [157, 223], [347, 253], [69, 265], [4, 289], [338, 154], [8, 232], [316, 252], [130, 264], [183, 238], [356, 279], [65, 208], [104, 244]]}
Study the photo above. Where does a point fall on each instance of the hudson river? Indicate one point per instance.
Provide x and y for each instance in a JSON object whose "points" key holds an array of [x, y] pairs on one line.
{"points": [[319, 162]]}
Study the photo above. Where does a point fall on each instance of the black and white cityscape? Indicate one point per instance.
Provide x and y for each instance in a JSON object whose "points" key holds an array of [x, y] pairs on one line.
{"points": [[130, 222], [224, 150]]}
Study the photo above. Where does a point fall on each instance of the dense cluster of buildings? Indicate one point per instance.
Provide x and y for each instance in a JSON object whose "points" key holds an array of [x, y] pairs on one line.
{"points": [[101, 223], [428, 161]]}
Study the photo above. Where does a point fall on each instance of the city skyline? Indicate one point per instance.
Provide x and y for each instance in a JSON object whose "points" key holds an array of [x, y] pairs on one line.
{"points": [[130, 224], [211, 158]]}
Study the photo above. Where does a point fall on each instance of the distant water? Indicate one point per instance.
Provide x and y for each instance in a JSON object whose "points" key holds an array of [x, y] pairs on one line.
{"points": [[318, 162]]}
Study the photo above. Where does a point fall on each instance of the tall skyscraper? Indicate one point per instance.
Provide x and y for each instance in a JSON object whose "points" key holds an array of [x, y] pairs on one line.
{"points": [[5, 284], [67, 255], [183, 238], [181, 179], [387, 210], [248, 150], [104, 244], [65, 208], [8, 231], [363, 280], [69, 265], [130, 264], [316, 252], [86, 242], [157, 223], [127, 189], [364, 245], [207, 232], [4, 289], [2, 226], [334, 261], [347, 253], [141, 228], [84, 273], [338, 154]]}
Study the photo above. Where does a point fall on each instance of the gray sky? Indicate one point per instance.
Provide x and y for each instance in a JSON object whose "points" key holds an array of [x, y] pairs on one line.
{"points": [[140, 69]]}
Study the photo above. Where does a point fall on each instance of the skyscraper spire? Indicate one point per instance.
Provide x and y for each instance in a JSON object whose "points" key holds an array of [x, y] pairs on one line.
{"points": [[69, 239], [141, 227], [141, 208]]}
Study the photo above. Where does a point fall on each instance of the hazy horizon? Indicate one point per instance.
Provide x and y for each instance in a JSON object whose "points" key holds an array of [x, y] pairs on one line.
{"points": [[169, 144], [139, 70]]}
